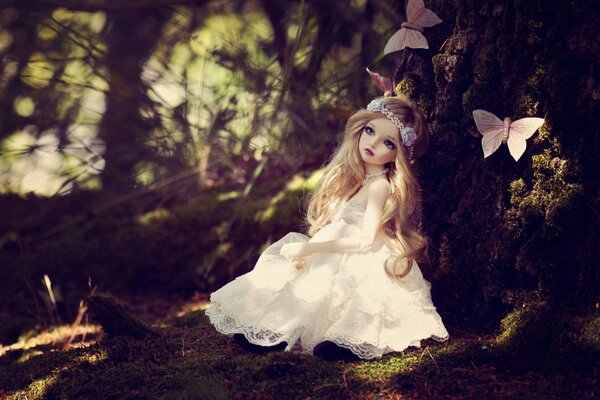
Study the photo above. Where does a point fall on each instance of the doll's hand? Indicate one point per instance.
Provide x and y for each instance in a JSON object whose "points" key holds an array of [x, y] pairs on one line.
{"points": [[296, 250]]}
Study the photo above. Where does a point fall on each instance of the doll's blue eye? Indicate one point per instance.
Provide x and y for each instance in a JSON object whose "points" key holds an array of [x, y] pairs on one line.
{"points": [[390, 145], [369, 130]]}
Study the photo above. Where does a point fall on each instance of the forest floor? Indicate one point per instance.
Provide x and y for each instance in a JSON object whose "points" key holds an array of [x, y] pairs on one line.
{"points": [[188, 359]]}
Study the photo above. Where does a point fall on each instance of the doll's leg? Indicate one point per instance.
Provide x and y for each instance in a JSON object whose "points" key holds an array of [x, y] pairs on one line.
{"points": [[254, 348], [330, 351]]}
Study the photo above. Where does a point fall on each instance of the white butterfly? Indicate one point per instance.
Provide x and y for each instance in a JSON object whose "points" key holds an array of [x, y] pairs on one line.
{"points": [[496, 131], [411, 31]]}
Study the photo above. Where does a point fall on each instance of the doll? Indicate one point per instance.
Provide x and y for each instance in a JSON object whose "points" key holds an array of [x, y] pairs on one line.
{"points": [[352, 288]]}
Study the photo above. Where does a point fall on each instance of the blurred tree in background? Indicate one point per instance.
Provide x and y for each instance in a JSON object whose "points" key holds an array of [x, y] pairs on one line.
{"points": [[117, 97]]}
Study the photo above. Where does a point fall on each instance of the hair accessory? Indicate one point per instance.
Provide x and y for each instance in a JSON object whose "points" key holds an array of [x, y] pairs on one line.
{"points": [[496, 131], [407, 133], [411, 31]]}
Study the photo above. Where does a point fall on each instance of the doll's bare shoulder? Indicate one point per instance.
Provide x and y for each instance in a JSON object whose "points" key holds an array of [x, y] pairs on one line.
{"points": [[380, 189]]}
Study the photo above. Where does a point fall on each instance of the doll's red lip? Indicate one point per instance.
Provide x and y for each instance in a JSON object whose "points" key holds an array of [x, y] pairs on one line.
{"points": [[369, 152]]}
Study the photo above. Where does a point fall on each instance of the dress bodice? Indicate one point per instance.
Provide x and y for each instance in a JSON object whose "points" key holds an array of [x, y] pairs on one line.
{"points": [[351, 212]]}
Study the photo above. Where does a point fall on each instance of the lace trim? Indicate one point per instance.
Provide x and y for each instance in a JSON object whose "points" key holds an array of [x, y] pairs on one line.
{"points": [[230, 325], [227, 324], [368, 351]]}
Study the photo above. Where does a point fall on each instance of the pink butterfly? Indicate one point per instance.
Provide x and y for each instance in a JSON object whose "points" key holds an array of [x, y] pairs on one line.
{"points": [[411, 31], [496, 131], [382, 82]]}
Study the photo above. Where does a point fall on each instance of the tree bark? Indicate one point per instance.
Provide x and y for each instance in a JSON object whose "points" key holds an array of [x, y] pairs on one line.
{"points": [[499, 226]]}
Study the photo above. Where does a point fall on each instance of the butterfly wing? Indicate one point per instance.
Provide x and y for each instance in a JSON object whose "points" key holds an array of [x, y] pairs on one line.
{"points": [[491, 128], [396, 42], [382, 82], [521, 130], [525, 127], [417, 14], [486, 121], [490, 143], [415, 40], [412, 9]]}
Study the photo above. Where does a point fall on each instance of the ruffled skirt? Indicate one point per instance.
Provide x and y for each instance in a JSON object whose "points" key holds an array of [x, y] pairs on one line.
{"points": [[345, 298]]}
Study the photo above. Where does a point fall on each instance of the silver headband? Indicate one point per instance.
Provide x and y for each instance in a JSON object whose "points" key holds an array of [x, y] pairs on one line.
{"points": [[408, 134]]}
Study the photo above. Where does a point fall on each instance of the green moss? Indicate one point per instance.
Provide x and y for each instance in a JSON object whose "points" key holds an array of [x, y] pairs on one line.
{"points": [[445, 256], [551, 193], [413, 87], [513, 220], [517, 190], [437, 65], [517, 326], [408, 86], [591, 332], [456, 44], [538, 337], [37, 389], [386, 368]]}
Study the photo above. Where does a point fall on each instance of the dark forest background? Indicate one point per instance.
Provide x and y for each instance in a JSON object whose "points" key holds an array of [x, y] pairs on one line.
{"points": [[154, 147]]}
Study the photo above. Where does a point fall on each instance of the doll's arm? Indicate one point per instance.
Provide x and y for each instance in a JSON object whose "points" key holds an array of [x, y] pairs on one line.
{"points": [[378, 194]]}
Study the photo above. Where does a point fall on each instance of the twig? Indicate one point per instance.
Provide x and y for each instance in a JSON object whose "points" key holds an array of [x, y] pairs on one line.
{"points": [[326, 385], [81, 312], [430, 355]]}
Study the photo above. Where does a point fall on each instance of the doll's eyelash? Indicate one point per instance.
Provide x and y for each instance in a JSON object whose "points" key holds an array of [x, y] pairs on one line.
{"points": [[389, 144]]}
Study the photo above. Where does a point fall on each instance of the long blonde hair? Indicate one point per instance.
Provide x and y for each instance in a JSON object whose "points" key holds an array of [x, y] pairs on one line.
{"points": [[344, 175]]}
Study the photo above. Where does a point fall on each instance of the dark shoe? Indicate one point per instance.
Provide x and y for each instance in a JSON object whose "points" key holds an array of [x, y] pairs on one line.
{"points": [[254, 348], [330, 351]]}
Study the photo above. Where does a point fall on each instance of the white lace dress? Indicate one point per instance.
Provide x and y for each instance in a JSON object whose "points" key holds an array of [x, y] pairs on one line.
{"points": [[345, 298]]}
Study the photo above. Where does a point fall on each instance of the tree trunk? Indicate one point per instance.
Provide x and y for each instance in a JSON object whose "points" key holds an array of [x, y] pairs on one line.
{"points": [[130, 39], [498, 226]]}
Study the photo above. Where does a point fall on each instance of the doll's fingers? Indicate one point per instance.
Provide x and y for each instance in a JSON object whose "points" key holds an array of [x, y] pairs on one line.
{"points": [[299, 262]]}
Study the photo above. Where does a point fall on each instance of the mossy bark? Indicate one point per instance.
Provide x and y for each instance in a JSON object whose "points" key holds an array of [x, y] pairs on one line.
{"points": [[500, 227]]}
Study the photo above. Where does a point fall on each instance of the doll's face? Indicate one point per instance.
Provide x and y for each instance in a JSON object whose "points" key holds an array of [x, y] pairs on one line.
{"points": [[379, 142]]}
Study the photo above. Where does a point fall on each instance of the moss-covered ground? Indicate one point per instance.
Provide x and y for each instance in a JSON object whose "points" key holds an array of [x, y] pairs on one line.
{"points": [[152, 261], [188, 359]]}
